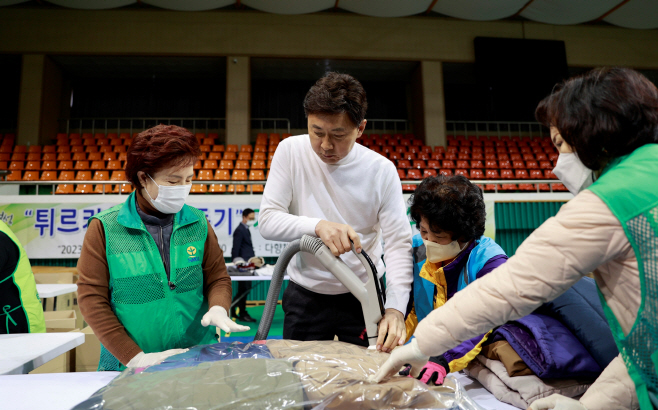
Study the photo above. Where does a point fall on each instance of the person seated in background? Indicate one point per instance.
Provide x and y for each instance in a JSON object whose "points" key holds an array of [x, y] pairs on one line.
{"points": [[243, 250], [449, 253], [153, 281], [20, 303]]}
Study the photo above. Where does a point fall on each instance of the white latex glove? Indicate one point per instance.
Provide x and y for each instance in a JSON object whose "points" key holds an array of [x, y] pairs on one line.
{"points": [[407, 354], [556, 402], [218, 317], [142, 359]]}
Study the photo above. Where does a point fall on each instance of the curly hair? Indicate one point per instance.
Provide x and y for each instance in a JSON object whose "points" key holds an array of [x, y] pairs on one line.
{"points": [[451, 204], [160, 147], [337, 93], [603, 114]]}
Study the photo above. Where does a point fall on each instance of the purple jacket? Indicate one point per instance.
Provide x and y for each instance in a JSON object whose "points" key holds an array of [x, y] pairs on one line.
{"points": [[548, 348]]}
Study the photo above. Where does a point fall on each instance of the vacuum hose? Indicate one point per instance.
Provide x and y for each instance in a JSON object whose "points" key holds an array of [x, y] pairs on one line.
{"points": [[369, 293]]}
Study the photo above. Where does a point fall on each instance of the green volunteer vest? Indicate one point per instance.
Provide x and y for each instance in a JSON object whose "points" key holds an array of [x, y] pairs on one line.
{"points": [[23, 279], [157, 314], [629, 187]]}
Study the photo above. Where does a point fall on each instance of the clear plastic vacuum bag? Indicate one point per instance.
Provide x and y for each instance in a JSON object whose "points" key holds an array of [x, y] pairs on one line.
{"points": [[299, 375]]}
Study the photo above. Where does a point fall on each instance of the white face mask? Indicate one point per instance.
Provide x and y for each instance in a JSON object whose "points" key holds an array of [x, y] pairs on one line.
{"points": [[573, 173], [170, 199], [438, 253], [251, 223]]}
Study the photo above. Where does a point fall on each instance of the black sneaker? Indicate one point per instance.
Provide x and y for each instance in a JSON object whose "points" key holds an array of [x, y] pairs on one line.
{"points": [[245, 317]]}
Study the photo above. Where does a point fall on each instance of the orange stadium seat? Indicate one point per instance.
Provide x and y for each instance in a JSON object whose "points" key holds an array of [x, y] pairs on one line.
{"points": [[244, 156], [97, 165], [239, 175], [238, 189], [204, 175], [15, 175], [222, 175], [84, 189], [492, 174], [65, 165], [477, 174], [216, 156], [429, 173], [230, 155], [217, 189], [17, 165], [241, 164], [33, 165], [256, 175], [209, 164], [109, 156], [31, 176], [257, 164], [226, 164]]}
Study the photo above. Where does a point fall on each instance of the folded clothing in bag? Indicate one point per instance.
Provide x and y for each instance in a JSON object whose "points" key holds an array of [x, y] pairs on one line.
{"points": [[521, 391], [301, 375], [548, 348], [212, 353]]}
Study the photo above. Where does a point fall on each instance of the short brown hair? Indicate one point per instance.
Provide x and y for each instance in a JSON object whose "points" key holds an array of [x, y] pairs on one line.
{"points": [[603, 114], [160, 147], [335, 94]]}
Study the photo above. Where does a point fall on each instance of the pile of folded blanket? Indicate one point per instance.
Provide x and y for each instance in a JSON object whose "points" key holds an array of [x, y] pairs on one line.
{"points": [[560, 348]]}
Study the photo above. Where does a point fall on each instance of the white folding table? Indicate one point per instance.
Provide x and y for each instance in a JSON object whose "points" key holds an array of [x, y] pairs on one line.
{"points": [[53, 290], [54, 391], [24, 352]]}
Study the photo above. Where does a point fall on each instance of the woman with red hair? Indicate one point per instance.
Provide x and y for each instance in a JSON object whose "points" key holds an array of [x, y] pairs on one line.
{"points": [[152, 276]]}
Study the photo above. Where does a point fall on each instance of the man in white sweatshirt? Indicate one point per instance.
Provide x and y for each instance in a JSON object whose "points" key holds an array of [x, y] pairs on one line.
{"points": [[324, 184]]}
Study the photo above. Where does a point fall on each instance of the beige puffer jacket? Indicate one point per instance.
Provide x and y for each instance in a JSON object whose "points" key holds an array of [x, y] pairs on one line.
{"points": [[583, 237]]}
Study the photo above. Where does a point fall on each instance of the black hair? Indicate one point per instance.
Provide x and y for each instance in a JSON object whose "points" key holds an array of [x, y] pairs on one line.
{"points": [[603, 114], [246, 212], [337, 93], [451, 204]]}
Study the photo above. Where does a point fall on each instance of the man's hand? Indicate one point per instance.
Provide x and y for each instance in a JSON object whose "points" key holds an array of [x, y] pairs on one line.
{"points": [[337, 237], [393, 324]]}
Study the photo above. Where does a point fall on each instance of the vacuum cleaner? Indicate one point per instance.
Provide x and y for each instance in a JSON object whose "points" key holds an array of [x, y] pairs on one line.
{"points": [[369, 293]]}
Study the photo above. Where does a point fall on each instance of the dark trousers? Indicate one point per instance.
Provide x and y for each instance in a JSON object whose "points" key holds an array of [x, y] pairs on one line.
{"points": [[314, 316], [243, 287]]}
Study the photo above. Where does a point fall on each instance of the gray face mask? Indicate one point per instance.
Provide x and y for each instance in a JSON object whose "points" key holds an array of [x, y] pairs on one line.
{"points": [[573, 173]]}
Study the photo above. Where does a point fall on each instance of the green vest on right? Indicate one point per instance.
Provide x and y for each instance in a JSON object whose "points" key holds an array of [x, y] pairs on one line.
{"points": [[158, 313], [629, 187]]}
